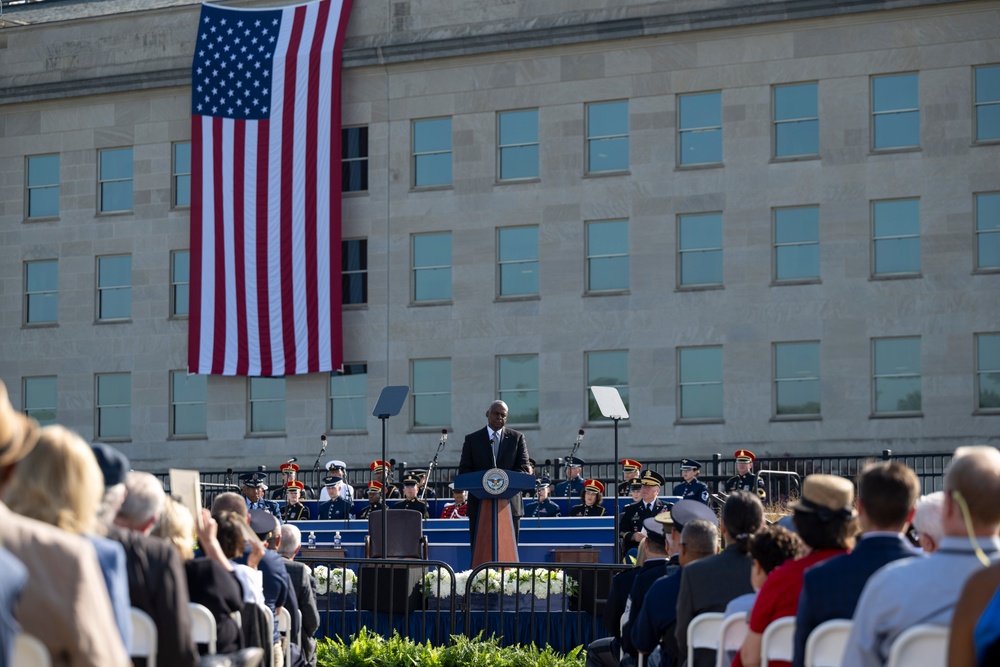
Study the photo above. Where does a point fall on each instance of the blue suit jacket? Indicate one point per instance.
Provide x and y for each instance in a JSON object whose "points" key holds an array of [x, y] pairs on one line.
{"points": [[831, 589], [648, 574]]}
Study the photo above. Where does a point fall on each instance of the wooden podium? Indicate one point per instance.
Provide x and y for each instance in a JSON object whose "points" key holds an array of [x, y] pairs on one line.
{"points": [[495, 524]]}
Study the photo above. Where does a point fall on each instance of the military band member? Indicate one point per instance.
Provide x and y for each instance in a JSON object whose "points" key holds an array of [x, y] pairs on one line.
{"points": [[572, 486], [379, 468], [649, 504], [410, 500], [294, 509], [745, 478], [289, 473], [253, 486], [543, 506], [630, 469], [375, 503], [635, 489], [421, 475], [337, 507], [691, 488], [458, 508], [591, 499]]}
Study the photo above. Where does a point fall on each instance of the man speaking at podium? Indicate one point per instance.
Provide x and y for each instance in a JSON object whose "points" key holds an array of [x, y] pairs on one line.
{"points": [[494, 446]]}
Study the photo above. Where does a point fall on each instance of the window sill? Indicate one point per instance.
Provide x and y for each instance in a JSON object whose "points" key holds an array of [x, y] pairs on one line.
{"points": [[896, 415], [40, 325], [124, 320], [986, 412], [268, 434], [429, 429], [116, 439], [812, 157], [776, 419], [613, 172], [986, 271], [985, 142], [894, 151], [798, 281], [696, 167], [610, 292], [698, 422], [895, 276], [180, 317], [114, 214], [44, 218], [347, 432], [431, 188], [426, 304], [608, 423], [354, 193], [180, 208], [699, 288], [514, 299], [188, 436], [354, 306], [519, 181]]}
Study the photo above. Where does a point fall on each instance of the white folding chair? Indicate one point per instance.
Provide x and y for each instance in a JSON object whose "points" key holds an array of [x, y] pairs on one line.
{"points": [[203, 630], [143, 637], [920, 646], [826, 643], [778, 642], [285, 630], [732, 632], [703, 632], [29, 652]]}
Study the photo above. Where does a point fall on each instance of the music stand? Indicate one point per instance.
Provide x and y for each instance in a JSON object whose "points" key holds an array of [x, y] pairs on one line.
{"points": [[389, 403], [609, 402]]}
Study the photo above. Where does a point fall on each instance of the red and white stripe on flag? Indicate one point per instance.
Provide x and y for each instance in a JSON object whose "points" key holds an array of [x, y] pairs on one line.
{"points": [[265, 190]]}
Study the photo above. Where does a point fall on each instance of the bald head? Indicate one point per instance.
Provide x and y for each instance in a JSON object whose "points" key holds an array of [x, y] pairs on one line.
{"points": [[229, 502]]}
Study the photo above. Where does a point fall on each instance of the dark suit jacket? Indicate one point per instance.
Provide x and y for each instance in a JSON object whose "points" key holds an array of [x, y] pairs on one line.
{"points": [[650, 571], [477, 454], [831, 589], [219, 590], [302, 583]]}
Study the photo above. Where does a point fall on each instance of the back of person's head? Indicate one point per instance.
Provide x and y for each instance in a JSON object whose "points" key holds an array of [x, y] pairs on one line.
{"points": [[18, 434], [927, 520], [742, 516], [143, 504], [229, 502], [58, 482], [974, 473], [176, 525], [230, 535], [641, 554], [291, 540], [700, 538], [887, 492], [824, 516], [773, 545]]}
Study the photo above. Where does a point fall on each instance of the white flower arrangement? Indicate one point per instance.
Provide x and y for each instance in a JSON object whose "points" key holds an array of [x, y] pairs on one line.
{"points": [[339, 580], [486, 581], [540, 582], [438, 583]]}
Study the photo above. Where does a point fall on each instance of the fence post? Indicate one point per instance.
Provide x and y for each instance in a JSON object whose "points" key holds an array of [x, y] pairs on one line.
{"points": [[886, 454], [716, 464]]}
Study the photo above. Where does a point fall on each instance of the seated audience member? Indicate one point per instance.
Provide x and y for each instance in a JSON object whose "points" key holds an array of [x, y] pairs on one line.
{"points": [[887, 493], [824, 521], [459, 506], [302, 583], [769, 548], [542, 506], [156, 580], [710, 583], [654, 623], [927, 521], [64, 602], [60, 483], [232, 542], [265, 525], [975, 627], [211, 581], [605, 651], [924, 590], [13, 579], [590, 500]]}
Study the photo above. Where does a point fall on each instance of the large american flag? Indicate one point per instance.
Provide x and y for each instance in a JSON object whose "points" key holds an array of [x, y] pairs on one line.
{"points": [[265, 190]]}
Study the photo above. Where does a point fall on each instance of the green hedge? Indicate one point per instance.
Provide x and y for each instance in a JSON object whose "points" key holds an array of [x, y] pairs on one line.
{"points": [[370, 650]]}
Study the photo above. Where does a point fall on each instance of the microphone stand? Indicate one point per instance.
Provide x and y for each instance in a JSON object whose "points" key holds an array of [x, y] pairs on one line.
{"points": [[433, 464], [316, 464]]}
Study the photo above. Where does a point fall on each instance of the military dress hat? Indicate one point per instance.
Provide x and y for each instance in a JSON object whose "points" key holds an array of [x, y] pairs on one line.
{"points": [[336, 465], [332, 480], [374, 486], [628, 465], [531, 462], [574, 462], [289, 467], [745, 456], [690, 464], [543, 483], [113, 464], [655, 531], [295, 485], [18, 433], [253, 479], [418, 472], [827, 496], [685, 511], [378, 466], [635, 484], [665, 518], [411, 479], [593, 485], [263, 524], [652, 478]]}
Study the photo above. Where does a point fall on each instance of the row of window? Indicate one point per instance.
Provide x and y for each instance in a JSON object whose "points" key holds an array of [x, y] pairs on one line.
{"points": [[895, 125], [796, 392]]}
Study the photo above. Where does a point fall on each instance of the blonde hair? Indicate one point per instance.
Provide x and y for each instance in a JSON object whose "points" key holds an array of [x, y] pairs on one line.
{"points": [[176, 526], [58, 482]]}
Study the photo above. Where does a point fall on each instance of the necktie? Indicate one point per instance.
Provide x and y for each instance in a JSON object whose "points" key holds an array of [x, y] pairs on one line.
{"points": [[649, 507], [496, 446]]}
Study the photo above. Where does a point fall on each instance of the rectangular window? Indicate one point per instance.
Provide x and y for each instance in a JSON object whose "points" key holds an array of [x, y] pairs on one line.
{"points": [[114, 186], [517, 386], [896, 237], [517, 144], [796, 120], [988, 372], [431, 392], [607, 137], [349, 398], [607, 256], [987, 103], [114, 287], [432, 267], [114, 406], [517, 251], [188, 404], [267, 405], [988, 230], [796, 379], [895, 111], [896, 376], [180, 282], [699, 390], [40, 399], [431, 152], [43, 186], [699, 127], [354, 159], [182, 173], [41, 291], [796, 243], [354, 271], [606, 369], [699, 249]]}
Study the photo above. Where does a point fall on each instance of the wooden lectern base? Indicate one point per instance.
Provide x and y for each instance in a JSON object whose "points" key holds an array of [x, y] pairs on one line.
{"points": [[506, 544]]}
